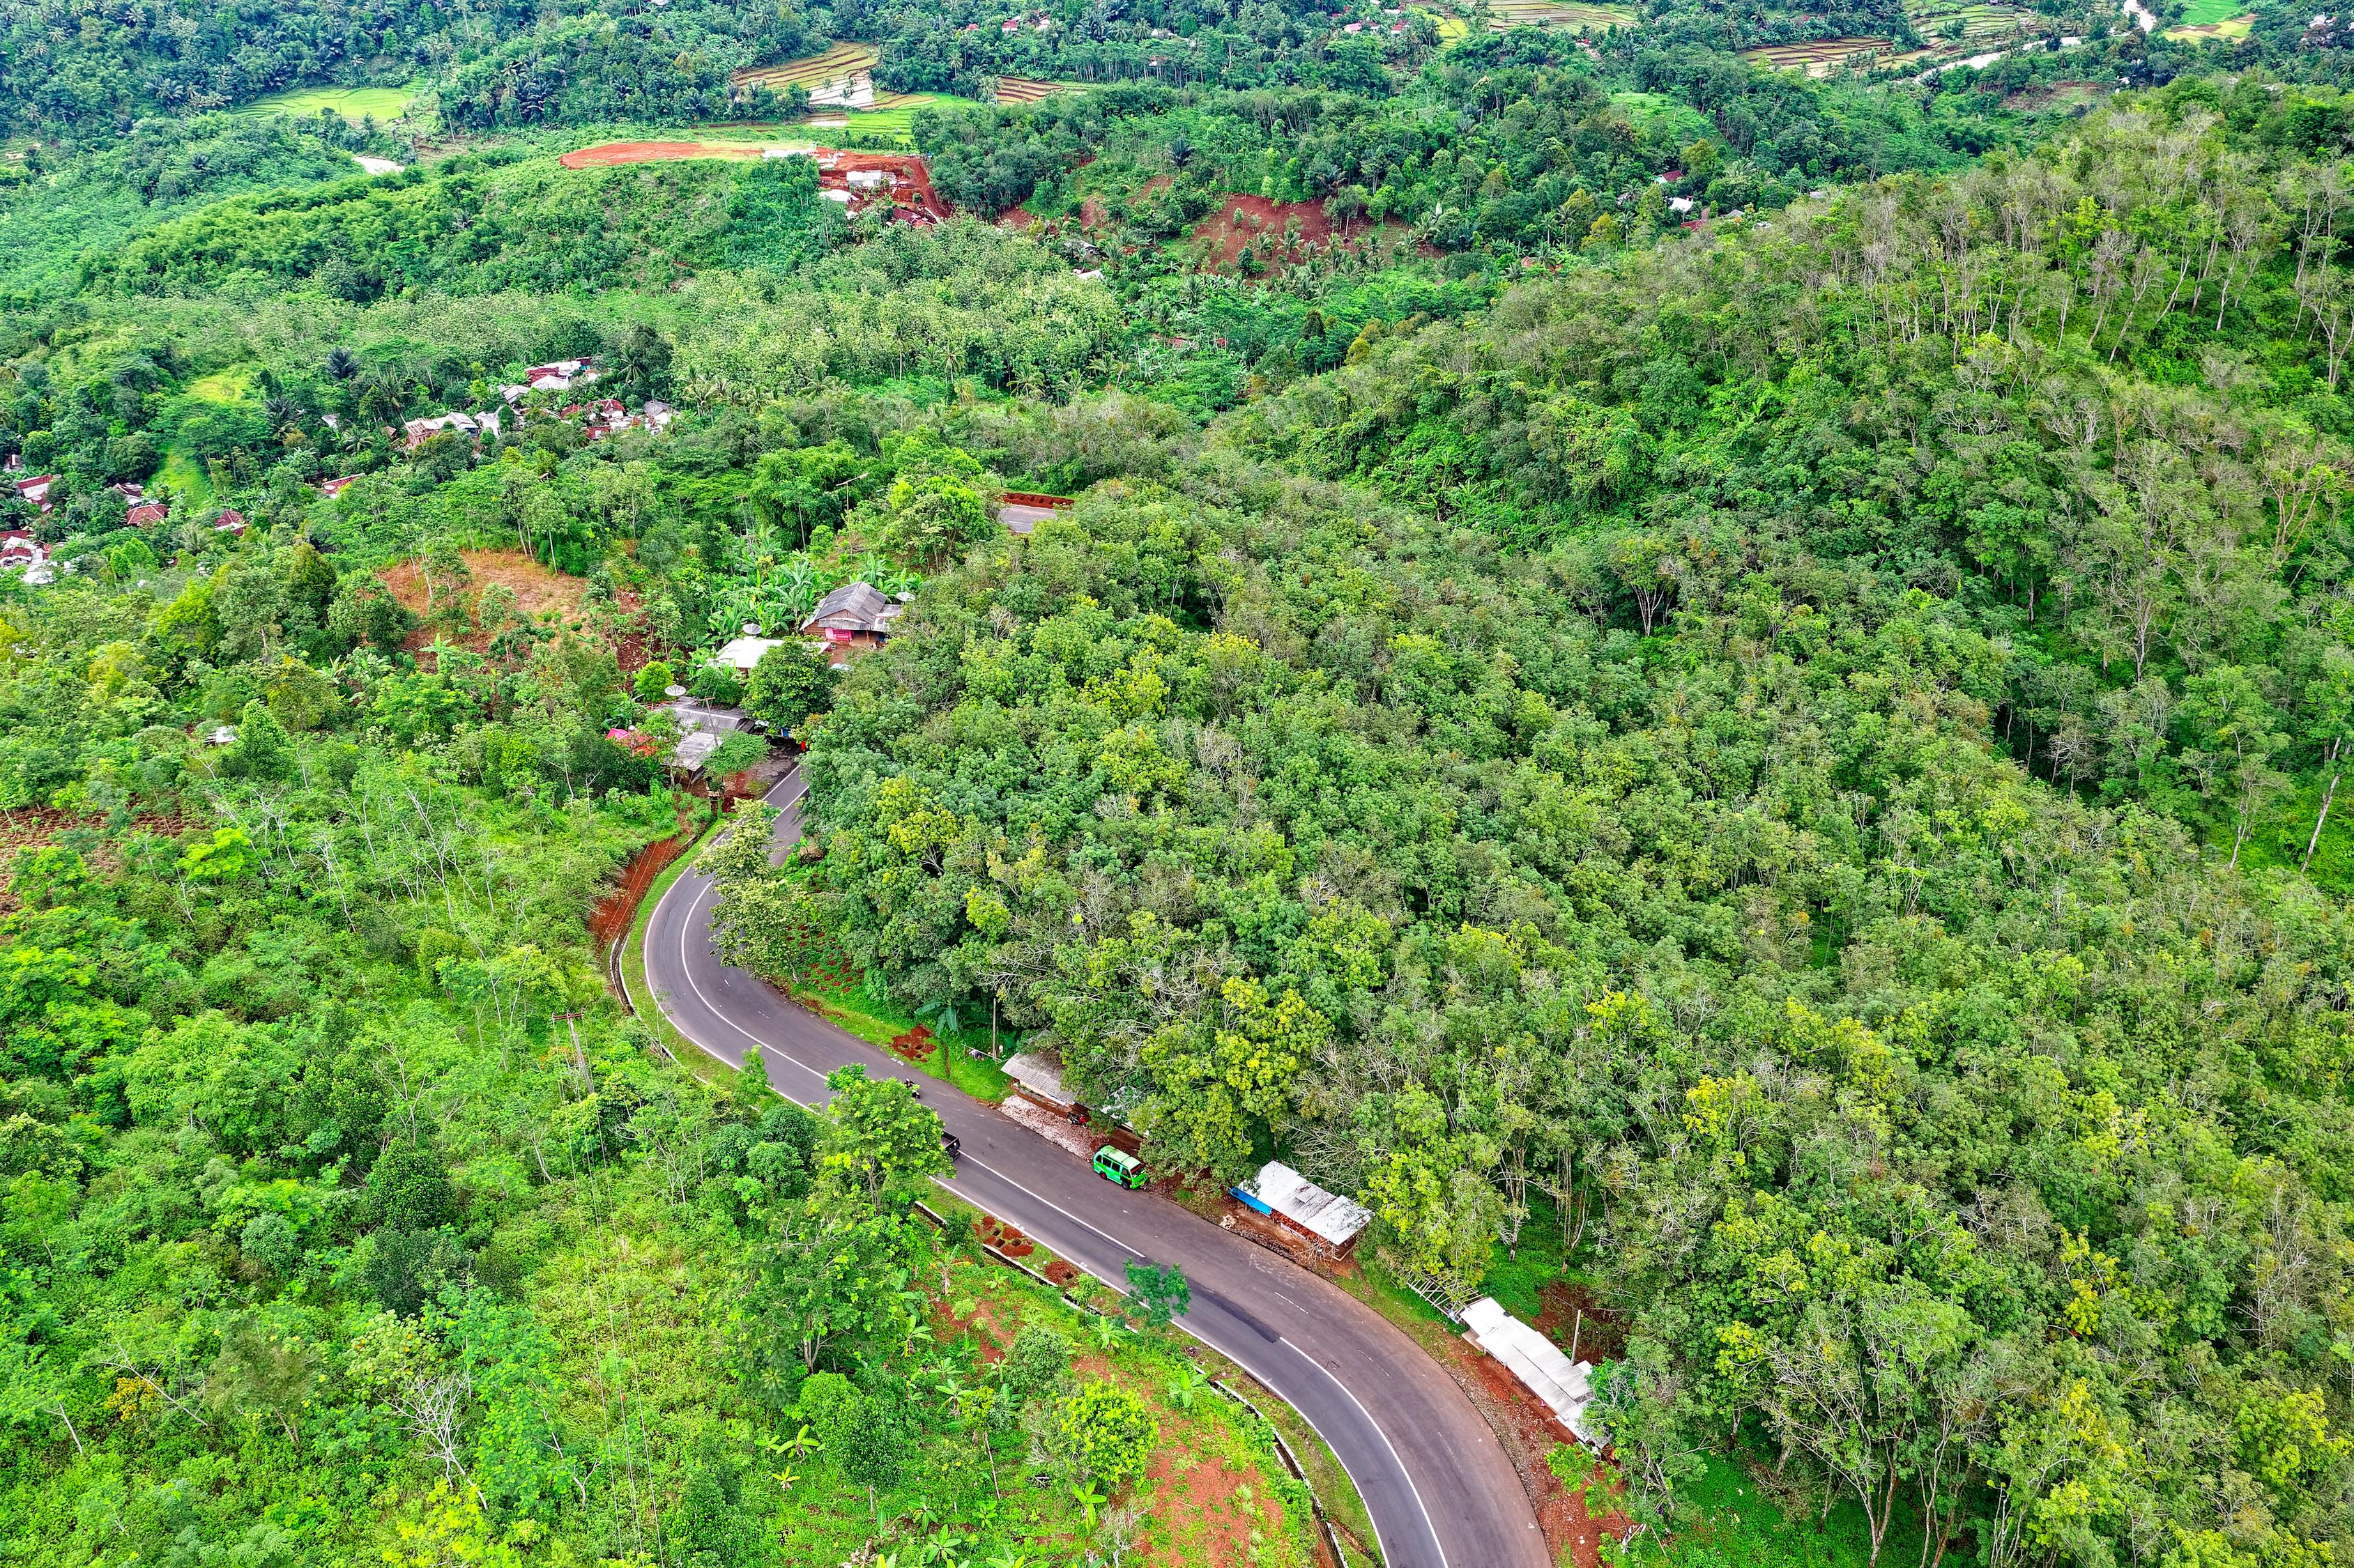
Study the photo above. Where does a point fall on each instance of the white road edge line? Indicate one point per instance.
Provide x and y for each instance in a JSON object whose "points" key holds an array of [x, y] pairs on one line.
{"points": [[1436, 1545], [1120, 1286]]}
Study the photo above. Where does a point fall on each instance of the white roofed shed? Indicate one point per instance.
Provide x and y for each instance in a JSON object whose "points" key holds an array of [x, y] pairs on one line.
{"points": [[1285, 1194], [743, 654], [1039, 1078], [1565, 1387]]}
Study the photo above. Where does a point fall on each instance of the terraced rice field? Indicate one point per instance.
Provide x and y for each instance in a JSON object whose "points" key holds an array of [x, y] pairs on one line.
{"points": [[1820, 57], [354, 103], [842, 77], [1577, 18], [1029, 89], [1981, 23]]}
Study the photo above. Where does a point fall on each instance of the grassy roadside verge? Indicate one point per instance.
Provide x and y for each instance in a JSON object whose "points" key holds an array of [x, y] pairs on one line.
{"points": [[879, 1023]]}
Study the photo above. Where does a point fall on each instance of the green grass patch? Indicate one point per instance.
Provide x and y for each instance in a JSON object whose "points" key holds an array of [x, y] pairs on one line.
{"points": [[893, 122], [185, 477], [354, 103], [2206, 13], [1731, 1522], [850, 1005], [228, 386]]}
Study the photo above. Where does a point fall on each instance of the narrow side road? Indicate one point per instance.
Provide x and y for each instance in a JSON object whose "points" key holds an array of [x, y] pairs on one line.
{"points": [[1440, 1490]]}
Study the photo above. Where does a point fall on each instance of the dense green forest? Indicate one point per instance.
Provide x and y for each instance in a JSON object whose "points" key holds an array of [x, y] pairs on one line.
{"points": [[1721, 684]]}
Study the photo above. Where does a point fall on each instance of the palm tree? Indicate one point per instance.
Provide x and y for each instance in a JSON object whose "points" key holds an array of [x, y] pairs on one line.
{"points": [[382, 396], [341, 363]]}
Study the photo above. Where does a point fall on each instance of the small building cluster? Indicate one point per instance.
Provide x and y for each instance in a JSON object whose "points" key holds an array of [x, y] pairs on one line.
{"points": [[606, 417], [20, 552], [1029, 21], [600, 420], [861, 180], [564, 375], [415, 433], [854, 618], [36, 490]]}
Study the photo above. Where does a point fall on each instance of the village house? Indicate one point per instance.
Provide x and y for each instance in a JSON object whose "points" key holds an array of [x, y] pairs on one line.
{"points": [[854, 616], [415, 433], [562, 376], [19, 551]]}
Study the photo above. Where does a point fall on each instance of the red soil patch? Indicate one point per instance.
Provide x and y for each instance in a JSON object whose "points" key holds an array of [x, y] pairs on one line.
{"points": [[911, 180], [1061, 1273], [30, 827], [1244, 218], [612, 917], [539, 592], [994, 1232], [615, 152], [911, 193], [1528, 1433], [1203, 1503], [990, 1333], [915, 1046]]}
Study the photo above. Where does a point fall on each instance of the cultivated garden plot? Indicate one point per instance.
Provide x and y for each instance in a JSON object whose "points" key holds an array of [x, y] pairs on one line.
{"points": [[1507, 13], [1947, 24], [841, 77], [1029, 89], [1821, 56], [2213, 19]]}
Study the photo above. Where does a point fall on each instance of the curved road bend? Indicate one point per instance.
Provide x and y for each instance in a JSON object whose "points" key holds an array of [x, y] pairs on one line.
{"points": [[1441, 1493]]}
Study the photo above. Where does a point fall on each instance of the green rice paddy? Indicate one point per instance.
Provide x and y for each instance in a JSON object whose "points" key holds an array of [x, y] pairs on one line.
{"points": [[354, 103]]}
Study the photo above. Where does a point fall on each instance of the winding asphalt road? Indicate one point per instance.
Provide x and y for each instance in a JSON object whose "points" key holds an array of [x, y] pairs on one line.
{"points": [[1440, 1491]]}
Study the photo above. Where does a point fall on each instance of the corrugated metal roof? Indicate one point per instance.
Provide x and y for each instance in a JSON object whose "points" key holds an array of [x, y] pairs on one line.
{"points": [[1325, 1214], [1040, 1076], [744, 653], [1566, 1387], [695, 748]]}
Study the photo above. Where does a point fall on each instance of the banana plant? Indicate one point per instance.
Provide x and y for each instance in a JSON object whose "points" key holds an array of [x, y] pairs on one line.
{"points": [[785, 1478], [1089, 1500], [1187, 1390]]}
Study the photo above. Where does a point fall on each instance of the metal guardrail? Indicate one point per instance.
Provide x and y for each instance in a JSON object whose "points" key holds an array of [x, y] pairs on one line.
{"points": [[1299, 1472]]}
